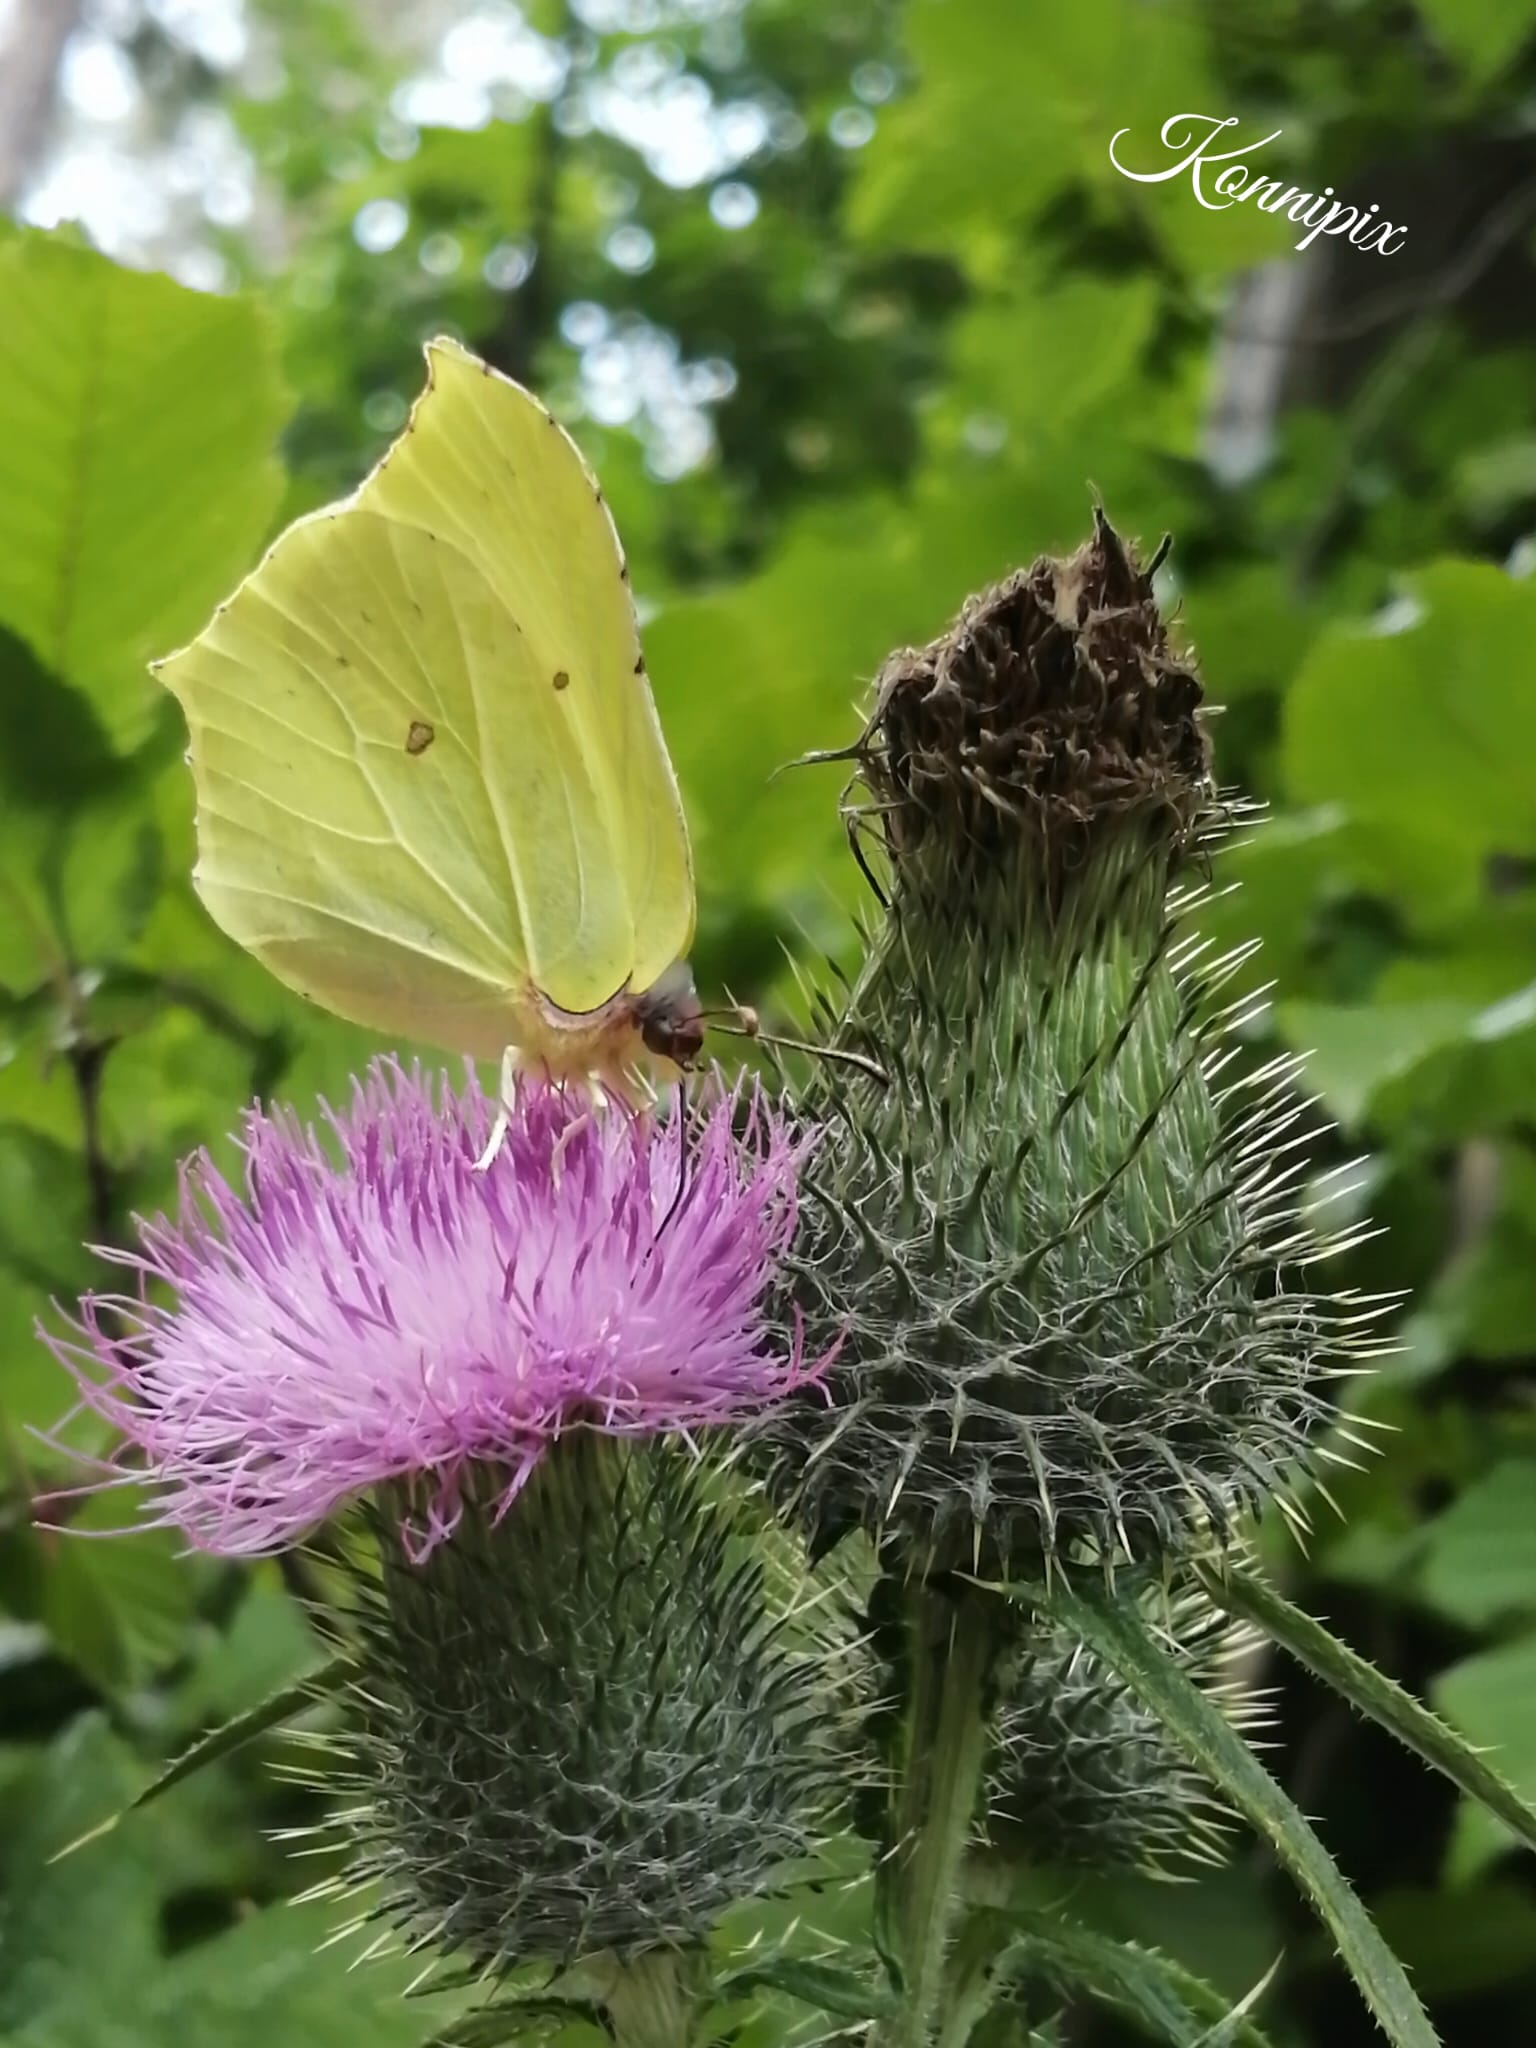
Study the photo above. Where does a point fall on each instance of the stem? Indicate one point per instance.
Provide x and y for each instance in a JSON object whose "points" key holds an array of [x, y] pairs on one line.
{"points": [[87, 1061], [531, 312], [955, 1637], [970, 1980], [649, 2002]]}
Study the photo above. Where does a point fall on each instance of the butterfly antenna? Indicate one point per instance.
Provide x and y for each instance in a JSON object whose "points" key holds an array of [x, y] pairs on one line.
{"points": [[748, 1027]]}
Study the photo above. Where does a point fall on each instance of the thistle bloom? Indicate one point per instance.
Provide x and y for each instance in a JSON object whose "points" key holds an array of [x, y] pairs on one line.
{"points": [[375, 1309]]}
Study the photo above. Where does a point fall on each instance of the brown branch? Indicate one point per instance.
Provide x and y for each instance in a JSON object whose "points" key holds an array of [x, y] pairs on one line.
{"points": [[87, 1062], [1498, 227], [532, 309]]}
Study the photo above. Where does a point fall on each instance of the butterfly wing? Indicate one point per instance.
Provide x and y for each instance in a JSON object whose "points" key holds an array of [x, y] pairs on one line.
{"points": [[432, 788]]}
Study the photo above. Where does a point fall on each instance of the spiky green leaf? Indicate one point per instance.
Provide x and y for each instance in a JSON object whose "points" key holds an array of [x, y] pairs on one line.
{"points": [[272, 1712], [843, 1994], [1166, 2001], [530, 2018], [1371, 1692], [1115, 1632]]}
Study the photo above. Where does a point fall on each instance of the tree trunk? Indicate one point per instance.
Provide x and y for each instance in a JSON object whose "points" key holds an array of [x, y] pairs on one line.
{"points": [[32, 38]]}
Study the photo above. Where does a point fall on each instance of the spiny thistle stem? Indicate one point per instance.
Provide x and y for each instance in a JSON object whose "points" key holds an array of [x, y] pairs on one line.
{"points": [[971, 1984], [955, 1640], [650, 2002]]}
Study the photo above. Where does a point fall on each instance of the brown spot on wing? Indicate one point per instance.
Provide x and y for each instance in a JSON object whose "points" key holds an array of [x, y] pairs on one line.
{"points": [[420, 736], [562, 679]]}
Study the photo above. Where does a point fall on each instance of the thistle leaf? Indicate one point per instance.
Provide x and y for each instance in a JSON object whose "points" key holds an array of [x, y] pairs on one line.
{"points": [[841, 1993], [1233, 2028], [1245, 1595], [1117, 1634], [495, 2025], [1167, 2001], [272, 1712]]}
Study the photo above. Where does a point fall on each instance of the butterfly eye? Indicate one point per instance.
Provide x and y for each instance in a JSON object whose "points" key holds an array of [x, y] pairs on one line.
{"points": [[670, 1022]]}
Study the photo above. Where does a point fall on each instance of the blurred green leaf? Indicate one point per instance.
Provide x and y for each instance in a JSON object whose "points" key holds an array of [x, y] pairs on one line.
{"points": [[1350, 1053], [1488, 1697], [265, 1646], [1484, 1302], [75, 1933], [83, 1963], [115, 1599], [1248, 630], [79, 888], [58, 869], [1482, 35], [1464, 1941], [956, 161], [1479, 1557], [1474, 1081], [275, 1711], [270, 1979], [137, 421], [45, 1207], [1495, 481], [1424, 732]]}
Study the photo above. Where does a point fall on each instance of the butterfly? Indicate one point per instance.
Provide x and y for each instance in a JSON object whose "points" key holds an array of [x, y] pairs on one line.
{"points": [[432, 790]]}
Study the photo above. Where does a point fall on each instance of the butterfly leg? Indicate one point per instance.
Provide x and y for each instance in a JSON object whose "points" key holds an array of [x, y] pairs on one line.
{"points": [[506, 1095], [557, 1156]]}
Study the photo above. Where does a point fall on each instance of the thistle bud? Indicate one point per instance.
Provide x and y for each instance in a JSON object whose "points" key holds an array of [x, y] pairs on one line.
{"points": [[1057, 1246], [587, 1727], [1085, 1776]]}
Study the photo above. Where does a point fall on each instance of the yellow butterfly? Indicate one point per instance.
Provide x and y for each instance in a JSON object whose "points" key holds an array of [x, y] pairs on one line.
{"points": [[432, 791]]}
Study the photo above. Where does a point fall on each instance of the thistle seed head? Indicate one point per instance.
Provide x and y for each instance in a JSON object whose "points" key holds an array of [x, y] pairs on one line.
{"points": [[1052, 719]]}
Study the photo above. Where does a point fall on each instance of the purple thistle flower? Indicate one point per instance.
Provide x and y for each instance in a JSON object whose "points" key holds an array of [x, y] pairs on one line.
{"points": [[394, 1314]]}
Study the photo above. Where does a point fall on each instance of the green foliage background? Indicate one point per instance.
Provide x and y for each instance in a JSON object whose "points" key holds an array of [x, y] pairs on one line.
{"points": [[940, 339]]}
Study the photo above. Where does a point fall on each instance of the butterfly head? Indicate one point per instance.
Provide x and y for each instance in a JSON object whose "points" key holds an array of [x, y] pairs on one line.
{"points": [[668, 1017], [657, 1027]]}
